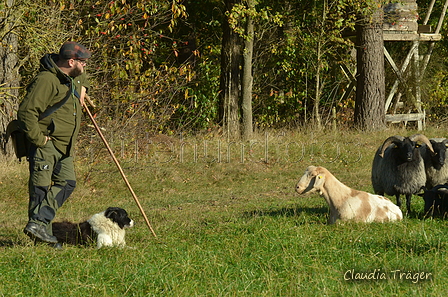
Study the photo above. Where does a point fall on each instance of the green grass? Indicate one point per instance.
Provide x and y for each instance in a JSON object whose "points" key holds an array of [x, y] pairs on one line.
{"points": [[224, 228]]}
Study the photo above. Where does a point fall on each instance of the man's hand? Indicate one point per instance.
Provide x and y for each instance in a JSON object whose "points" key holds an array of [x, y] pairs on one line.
{"points": [[47, 139], [82, 95]]}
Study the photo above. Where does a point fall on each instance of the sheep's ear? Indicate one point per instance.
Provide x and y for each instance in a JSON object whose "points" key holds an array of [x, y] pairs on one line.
{"points": [[319, 180]]}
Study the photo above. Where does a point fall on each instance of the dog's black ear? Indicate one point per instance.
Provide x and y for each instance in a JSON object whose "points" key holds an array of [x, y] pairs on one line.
{"points": [[111, 212], [118, 215], [115, 213]]}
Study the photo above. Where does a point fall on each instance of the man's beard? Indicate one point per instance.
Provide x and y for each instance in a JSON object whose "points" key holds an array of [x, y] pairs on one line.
{"points": [[75, 72]]}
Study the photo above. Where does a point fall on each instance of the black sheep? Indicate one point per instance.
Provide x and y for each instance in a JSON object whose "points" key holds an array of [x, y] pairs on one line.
{"points": [[436, 201], [398, 168], [436, 163]]}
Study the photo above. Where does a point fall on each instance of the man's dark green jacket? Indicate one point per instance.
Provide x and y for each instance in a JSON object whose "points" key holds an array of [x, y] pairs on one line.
{"points": [[49, 87]]}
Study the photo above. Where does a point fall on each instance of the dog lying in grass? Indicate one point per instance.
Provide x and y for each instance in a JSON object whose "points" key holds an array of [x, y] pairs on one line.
{"points": [[107, 228]]}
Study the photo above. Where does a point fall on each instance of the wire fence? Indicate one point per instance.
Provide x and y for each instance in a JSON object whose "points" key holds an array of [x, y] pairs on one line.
{"points": [[269, 149]]}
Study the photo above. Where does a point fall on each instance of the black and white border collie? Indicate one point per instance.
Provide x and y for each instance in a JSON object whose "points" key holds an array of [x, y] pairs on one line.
{"points": [[107, 228]]}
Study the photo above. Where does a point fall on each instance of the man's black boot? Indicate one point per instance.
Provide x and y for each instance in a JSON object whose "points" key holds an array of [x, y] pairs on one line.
{"points": [[34, 230]]}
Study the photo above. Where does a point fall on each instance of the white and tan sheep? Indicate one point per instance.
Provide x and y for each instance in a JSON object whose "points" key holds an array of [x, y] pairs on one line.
{"points": [[346, 203]]}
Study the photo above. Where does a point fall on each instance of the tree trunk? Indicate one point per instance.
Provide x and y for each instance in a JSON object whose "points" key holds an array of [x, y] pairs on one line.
{"points": [[9, 77], [316, 106], [370, 88], [230, 78], [247, 82]]}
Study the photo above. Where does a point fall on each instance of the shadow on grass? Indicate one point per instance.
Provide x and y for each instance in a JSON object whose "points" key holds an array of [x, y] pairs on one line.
{"points": [[9, 239], [286, 212], [414, 246], [423, 216], [7, 242]]}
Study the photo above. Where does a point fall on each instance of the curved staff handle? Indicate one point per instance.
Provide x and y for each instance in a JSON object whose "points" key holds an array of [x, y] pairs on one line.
{"points": [[118, 165]]}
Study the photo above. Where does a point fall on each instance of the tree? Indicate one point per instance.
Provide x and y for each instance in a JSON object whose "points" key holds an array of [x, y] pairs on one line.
{"points": [[230, 76], [134, 62], [9, 78], [242, 17], [247, 82], [156, 65], [370, 88], [299, 62]]}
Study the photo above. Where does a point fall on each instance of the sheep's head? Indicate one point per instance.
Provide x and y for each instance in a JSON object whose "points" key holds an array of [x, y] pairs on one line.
{"points": [[311, 181], [406, 145], [434, 200], [438, 156]]}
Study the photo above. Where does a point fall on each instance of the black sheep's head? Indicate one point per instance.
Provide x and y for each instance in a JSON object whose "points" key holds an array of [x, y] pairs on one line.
{"points": [[406, 146], [439, 154]]}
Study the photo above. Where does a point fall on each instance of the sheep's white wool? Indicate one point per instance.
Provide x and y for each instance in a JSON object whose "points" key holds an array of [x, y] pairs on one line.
{"points": [[109, 233]]}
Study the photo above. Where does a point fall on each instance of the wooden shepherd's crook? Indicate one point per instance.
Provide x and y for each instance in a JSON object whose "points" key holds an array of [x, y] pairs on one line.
{"points": [[118, 165]]}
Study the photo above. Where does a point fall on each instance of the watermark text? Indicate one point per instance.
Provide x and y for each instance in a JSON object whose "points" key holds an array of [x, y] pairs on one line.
{"points": [[395, 274]]}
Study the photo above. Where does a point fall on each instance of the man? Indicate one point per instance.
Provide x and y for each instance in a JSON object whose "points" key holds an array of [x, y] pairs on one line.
{"points": [[50, 115]]}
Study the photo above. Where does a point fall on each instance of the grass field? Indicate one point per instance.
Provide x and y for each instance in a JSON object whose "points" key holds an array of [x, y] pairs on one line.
{"points": [[228, 223]]}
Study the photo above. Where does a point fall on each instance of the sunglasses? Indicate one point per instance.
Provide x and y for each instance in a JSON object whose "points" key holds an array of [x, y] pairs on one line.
{"points": [[82, 62]]}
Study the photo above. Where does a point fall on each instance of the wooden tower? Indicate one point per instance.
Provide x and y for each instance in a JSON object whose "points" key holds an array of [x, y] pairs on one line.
{"points": [[401, 24]]}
